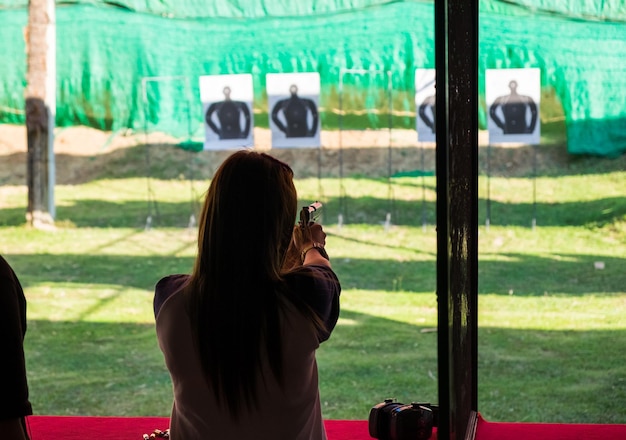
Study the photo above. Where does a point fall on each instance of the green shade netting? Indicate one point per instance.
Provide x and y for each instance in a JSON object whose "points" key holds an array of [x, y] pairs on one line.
{"points": [[135, 64]]}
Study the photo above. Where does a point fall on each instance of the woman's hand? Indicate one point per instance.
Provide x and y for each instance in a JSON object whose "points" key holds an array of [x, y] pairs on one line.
{"points": [[317, 234], [313, 250], [308, 240]]}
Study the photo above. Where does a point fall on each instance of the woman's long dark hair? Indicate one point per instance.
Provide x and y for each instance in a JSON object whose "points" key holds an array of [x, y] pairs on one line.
{"points": [[234, 295]]}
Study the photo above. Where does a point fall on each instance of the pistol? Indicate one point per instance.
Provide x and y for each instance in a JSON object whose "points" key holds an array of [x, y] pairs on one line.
{"points": [[310, 213]]}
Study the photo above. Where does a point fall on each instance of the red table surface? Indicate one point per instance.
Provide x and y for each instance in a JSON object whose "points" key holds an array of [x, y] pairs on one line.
{"points": [[133, 428], [548, 431], [130, 428]]}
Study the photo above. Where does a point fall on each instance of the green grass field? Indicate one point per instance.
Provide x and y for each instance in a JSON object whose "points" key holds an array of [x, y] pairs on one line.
{"points": [[552, 327]]}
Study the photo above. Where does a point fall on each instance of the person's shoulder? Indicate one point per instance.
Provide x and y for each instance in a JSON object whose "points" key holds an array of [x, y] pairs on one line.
{"points": [[320, 270], [171, 282], [166, 287]]}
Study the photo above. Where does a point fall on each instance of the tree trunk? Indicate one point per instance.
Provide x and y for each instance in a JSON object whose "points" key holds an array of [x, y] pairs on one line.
{"points": [[40, 110]]}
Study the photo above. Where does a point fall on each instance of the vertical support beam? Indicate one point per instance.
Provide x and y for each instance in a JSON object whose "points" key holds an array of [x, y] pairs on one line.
{"points": [[40, 105], [456, 60]]}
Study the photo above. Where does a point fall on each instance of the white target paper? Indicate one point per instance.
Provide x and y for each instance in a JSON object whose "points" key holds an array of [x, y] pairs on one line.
{"points": [[513, 97], [227, 111], [425, 105], [293, 100]]}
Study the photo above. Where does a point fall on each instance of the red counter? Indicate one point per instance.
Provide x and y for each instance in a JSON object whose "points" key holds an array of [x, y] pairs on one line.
{"points": [[131, 428]]}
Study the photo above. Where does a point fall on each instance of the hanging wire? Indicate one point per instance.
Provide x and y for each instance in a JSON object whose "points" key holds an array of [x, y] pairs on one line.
{"points": [[151, 199], [153, 209], [421, 85], [320, 189], [342, 189], [390, 194], [151, 202], [342, 192], [194, 204], [422, 166], [488, 219], [534, 220]]}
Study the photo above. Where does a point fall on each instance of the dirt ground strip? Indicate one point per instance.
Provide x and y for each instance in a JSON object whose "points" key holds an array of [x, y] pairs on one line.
{"points": [[83, 154]]}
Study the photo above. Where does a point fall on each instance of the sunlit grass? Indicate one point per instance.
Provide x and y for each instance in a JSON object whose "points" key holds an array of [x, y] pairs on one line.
{"points": [[552, 322]]}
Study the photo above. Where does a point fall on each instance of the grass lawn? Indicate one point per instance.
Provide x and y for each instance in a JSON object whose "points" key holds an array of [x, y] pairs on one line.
{"points": [[552, 326]]}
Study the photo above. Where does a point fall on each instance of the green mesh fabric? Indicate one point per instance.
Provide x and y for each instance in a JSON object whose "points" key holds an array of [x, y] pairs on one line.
{"points": [[135, 64]]}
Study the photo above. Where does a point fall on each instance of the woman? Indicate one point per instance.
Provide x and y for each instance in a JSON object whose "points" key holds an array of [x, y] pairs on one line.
{"points": [[239, 334]]}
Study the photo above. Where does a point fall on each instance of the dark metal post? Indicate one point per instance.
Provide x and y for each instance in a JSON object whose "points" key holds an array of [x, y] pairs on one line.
{"points": [[456, 60]]}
